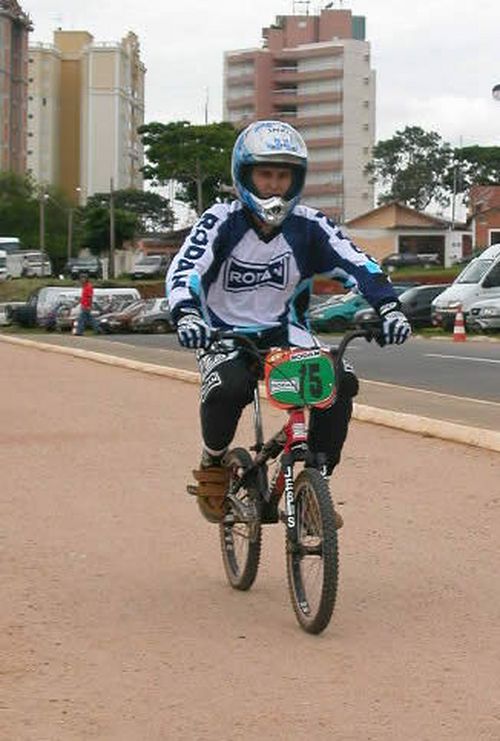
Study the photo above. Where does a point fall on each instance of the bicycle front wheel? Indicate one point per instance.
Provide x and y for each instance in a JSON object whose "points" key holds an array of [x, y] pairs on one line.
{"points": [[312, 562], [241, 541]]}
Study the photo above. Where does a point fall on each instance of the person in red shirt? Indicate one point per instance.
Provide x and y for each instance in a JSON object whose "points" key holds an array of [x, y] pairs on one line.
{"points": [[85, 317]]}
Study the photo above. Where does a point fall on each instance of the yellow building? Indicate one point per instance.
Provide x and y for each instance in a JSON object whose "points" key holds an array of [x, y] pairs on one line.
{"points": [[86, 102]]}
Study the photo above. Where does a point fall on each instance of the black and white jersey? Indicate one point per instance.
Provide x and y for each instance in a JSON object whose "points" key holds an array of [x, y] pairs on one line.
{"points": [[238, 278]]}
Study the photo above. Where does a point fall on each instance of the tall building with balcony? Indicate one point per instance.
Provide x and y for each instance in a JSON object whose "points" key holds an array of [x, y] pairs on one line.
{"points": [[15, 26], [314, 71], [86, 102]]}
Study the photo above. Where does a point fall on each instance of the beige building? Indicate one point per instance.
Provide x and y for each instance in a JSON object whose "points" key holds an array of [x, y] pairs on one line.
{"points": [[397, 228], [314, 71], [86, 102], [15, 26]]}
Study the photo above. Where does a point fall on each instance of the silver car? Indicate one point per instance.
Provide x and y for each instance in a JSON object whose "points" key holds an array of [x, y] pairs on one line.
{"points": [[484, 315]]}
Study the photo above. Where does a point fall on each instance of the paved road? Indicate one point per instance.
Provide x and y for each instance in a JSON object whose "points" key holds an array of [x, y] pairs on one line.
{"points": [[469, 369], [466, 410], [117, 624]]}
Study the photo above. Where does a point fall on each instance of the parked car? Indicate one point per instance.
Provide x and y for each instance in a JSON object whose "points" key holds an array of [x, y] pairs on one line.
{"points": [[484, 316], [39, 308], [336, 313], [415, 303], [6, 310], [78, 266], [34, 266], [155, 317], [120, 321], [150, 266], [480, 279], [410, 259]]}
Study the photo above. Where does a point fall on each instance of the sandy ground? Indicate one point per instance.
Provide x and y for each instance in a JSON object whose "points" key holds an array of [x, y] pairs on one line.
{"points": [[116, 622]]}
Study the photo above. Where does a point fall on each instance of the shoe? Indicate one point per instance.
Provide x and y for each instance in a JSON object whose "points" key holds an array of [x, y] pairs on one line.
{"points": [[212, 480]]}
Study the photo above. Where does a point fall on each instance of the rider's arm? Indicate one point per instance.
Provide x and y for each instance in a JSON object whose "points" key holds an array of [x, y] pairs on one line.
{"points": [[336, 256], [185, 276]]}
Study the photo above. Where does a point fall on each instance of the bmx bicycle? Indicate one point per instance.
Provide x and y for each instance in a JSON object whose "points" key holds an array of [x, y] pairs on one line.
{"points": [[296, 379]]}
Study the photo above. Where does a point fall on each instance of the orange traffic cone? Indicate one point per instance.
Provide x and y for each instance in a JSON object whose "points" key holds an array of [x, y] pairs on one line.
{"points": [[459, 327]]}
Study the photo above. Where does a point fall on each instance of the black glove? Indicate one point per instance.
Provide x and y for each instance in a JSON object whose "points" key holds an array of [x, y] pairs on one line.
{"points": [[395, 326], [193, 332]]}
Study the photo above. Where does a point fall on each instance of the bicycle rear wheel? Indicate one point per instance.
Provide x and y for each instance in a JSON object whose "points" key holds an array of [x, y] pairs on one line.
{"points": [[240, 541], [312, 563]]}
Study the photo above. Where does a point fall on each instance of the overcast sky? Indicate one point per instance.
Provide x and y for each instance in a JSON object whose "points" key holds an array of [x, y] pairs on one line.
{"points": [[436, 60]]}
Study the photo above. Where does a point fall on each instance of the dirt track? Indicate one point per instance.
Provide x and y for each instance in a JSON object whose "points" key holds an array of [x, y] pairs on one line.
{"points": [[116, 621]]}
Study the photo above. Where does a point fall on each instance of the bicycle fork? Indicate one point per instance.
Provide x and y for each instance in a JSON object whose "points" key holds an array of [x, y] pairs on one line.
{"points": [[295, 450]]}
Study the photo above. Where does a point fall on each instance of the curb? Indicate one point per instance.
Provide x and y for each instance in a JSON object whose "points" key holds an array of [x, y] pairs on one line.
{"points": [[475, 436]]}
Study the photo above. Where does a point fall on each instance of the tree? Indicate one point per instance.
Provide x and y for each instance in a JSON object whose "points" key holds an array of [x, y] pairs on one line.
{"points": [[95, 225], [18, 208], [153, 212], [20, 213], [198, 158], [413, 167], [474, 165]]}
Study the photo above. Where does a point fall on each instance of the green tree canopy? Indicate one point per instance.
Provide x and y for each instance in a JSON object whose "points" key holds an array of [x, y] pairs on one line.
{"points": [[198, 158], [475, 166], [20, 213], [96, 226], [412, 167], [153, 212]]}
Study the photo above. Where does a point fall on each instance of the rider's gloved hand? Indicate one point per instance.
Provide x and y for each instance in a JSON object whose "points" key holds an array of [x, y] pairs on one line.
{"points": [[395, 326], [193, 332]]}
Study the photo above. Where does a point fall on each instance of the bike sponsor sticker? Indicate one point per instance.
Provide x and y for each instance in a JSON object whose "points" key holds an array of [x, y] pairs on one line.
{"points": [[296, 378]]}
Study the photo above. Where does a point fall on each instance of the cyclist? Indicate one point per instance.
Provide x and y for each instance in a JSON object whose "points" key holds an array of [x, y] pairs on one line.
{"points": [[248, 266]]}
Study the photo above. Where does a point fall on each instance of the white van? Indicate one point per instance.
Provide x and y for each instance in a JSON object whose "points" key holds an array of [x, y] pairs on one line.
{"points": [[50, 296], [10, 244], [480, 279], [41, 304], [3, 265]]}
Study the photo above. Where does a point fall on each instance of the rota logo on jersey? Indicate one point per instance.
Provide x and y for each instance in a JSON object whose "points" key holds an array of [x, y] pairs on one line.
{"points": [[243, 276]]}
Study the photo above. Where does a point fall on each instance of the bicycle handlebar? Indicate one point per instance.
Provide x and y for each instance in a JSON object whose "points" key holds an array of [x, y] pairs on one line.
{"points": [[244, 340]]}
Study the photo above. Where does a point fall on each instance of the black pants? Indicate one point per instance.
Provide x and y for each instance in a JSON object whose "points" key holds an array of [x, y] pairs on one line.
{"points": [[227, 387]]}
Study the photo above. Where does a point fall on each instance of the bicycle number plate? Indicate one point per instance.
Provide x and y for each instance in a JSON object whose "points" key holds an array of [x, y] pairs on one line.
{"points": [[295, 378]]}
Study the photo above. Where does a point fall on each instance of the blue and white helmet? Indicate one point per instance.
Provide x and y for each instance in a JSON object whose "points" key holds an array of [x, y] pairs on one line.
{"points": [[269, 142]]}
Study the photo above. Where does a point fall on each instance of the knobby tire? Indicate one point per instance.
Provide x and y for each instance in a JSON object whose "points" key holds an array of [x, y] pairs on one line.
{"points": [[313, 564], [240, 554]]}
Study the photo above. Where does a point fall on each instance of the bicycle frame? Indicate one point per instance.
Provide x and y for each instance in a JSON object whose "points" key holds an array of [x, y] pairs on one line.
{"points": [[289, 445]]}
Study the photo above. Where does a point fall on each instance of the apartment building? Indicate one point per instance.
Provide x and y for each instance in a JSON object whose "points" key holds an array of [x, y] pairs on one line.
{"points": [[15, 26], [86, 102], [314, 71]]}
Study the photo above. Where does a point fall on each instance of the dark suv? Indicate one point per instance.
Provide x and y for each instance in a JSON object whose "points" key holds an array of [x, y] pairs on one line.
{"points": [[415, 303]]}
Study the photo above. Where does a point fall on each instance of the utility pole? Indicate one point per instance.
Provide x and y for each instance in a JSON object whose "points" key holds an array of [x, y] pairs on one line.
{"points": [[111, 270], [42, 227]]}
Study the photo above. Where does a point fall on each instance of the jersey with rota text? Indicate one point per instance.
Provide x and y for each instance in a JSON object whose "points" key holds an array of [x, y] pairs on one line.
{"points": [[238, 278]]}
